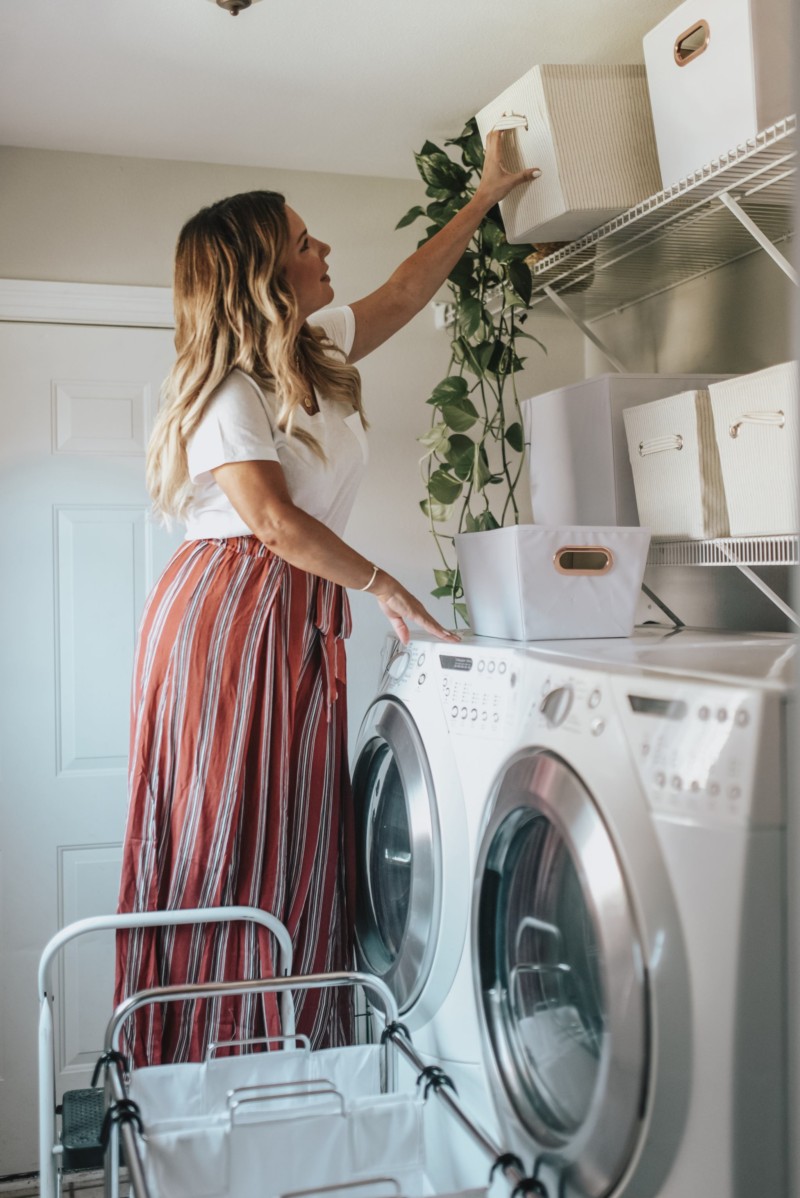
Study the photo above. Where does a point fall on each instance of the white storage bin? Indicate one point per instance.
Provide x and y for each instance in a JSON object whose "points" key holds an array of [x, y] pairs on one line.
{"points": [[580, 471], [719, 71], [590, 132], [756, 423], [528, 582], [675, 464]]}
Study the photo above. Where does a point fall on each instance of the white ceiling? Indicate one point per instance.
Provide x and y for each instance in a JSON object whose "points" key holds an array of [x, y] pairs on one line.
{"points": [[328, 85]]}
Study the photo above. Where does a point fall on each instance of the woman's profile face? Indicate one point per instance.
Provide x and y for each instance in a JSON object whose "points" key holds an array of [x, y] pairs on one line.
{"points": [[305, 269]]}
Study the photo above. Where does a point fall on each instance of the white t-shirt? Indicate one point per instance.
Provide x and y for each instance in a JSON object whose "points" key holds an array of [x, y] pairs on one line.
{"points": [[240, 425]]}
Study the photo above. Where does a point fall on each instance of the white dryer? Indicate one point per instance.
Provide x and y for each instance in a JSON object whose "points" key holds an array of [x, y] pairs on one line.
{"points": [[419, 798], [629, 919]]}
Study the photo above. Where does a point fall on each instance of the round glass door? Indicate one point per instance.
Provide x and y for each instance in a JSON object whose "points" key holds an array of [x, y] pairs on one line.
{"points": [[562, 988], [398, 900]]}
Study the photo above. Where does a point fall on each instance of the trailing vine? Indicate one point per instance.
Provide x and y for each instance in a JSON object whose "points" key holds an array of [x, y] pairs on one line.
{"points": [[474, 453]]}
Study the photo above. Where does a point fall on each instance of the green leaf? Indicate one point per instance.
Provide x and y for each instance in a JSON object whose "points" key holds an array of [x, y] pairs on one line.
{"points": [[481, 474], [442, 592], [460, 454], [438, 512], [486, 521], [459, 414], [409, 218], [515, 437], [445, 578], [472, 151], [439, 171], [462, 274], [436, 439], [471, 314], [521, 280], [471, 523], [443, 487], [453, 387], [429, 148], [461, 609]]}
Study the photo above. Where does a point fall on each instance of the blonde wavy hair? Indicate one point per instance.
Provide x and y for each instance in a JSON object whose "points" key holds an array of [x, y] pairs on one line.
{"points": [[234, 310]]}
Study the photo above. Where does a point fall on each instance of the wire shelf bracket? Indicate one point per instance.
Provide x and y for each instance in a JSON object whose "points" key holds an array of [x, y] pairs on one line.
{"points": [[743, 553]]}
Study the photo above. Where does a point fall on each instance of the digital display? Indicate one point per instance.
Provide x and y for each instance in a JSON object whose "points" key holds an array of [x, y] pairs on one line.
{"points": [[670, 709], [455, 663]]}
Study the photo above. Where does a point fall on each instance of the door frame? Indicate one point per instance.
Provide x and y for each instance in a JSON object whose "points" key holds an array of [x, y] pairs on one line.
{"points": [[35, 301]]}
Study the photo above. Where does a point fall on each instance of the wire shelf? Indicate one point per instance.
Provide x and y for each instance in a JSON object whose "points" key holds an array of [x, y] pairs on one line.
{"points": [[727, 551], [680, 233]]}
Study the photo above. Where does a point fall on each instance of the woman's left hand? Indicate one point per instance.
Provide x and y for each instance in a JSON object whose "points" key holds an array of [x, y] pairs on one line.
{"points": [[496, 182]]}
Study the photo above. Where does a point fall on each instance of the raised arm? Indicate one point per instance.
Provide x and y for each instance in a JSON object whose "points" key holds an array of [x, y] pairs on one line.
{"points": [[419, 277]]}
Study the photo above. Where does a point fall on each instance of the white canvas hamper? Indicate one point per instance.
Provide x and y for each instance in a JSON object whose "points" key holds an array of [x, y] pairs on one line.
{"points": [[736, 83], [590, 132], [578, 463], [675, 465], [529, 582], [756, 423]]}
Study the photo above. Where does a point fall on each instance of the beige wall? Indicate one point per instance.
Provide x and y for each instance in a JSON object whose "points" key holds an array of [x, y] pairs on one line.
{"points": [[98, 219]]}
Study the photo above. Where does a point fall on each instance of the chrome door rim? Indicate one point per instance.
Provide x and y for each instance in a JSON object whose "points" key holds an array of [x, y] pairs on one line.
{"points": [[388, 722], [539, 783]]}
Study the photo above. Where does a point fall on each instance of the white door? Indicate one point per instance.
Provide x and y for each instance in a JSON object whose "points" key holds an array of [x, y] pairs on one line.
{"points": [[78, 553]]}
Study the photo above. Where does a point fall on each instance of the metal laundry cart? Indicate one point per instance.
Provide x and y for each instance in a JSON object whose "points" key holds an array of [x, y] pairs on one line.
{"points": [[282, 1123]]}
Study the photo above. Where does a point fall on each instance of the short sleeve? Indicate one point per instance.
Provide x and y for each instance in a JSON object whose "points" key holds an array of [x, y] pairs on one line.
{"points": [[234, 428], [338, 324]]}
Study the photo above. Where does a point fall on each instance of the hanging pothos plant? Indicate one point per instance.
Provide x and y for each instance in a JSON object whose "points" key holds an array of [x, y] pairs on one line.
{"points": [[474, 447]]}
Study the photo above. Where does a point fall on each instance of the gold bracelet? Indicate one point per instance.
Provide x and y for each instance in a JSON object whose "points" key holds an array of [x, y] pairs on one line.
{"points": [[373, 576]]}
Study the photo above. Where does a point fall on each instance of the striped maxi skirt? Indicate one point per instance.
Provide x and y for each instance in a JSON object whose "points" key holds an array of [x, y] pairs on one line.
{"points": [[239, 793]]}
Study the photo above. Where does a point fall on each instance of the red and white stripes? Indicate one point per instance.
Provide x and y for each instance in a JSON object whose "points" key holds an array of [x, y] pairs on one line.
{"points": [[239, 792]]}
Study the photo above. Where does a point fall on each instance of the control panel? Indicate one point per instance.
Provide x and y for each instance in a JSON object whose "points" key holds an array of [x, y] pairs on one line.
{"points": [[480, 691], [705, 753]]}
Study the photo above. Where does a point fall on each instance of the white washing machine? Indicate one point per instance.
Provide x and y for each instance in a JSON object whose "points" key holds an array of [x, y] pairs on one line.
{"points": [[418, 816], [629, 919]]}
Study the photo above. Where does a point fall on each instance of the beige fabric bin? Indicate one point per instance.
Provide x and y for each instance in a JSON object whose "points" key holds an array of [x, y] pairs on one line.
{"points": [[589, 130], [675, 465], [756, 423], [718, 71], [529, 582], [578, 463]]}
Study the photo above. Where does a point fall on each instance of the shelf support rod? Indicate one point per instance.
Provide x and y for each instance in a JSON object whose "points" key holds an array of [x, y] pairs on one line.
{"points": [[584, 328], [762, 586], [759, 235]]}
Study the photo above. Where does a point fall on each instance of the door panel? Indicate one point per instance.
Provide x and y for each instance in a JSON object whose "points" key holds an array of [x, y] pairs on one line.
{"points": [[78, 553]]}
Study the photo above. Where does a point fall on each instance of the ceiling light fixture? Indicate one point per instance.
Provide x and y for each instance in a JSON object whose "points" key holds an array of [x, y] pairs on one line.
{"points": [[234, 7]]}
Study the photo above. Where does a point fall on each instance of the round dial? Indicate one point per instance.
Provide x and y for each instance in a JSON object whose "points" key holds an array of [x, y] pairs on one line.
{"points": [[556, 705]]}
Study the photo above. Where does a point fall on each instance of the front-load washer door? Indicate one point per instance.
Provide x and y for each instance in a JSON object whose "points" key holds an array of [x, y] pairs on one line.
{"points": [[398, 852], [562, 990]]}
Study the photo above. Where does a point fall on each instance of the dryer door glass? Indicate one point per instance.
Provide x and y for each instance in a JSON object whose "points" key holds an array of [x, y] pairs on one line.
{"points": [[398, 853], [563, 991]]}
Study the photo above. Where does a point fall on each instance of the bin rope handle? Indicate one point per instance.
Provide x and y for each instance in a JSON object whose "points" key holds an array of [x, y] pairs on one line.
{"points": [[660, 444], [765, 419]]}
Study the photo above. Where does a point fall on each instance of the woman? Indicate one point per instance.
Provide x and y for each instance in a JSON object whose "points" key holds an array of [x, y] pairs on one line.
{"points": [[239, 790]]}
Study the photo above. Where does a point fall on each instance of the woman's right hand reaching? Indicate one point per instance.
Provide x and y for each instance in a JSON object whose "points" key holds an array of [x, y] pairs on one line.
{"points": [[399, 606]]}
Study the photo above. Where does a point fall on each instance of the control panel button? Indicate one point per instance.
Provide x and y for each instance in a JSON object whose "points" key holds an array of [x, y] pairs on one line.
{"points": [[742, 717], [481, 665], [501, 669], [598, 727], [713, 789], [421, 679], [677, 782], [734, 792], [594, 698], [454, 712], [473, 715], [722, 714], [490, 666], [421, 659], [645, 750], [463, 713], [661, 778], [704, 712], [556, 705]]}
